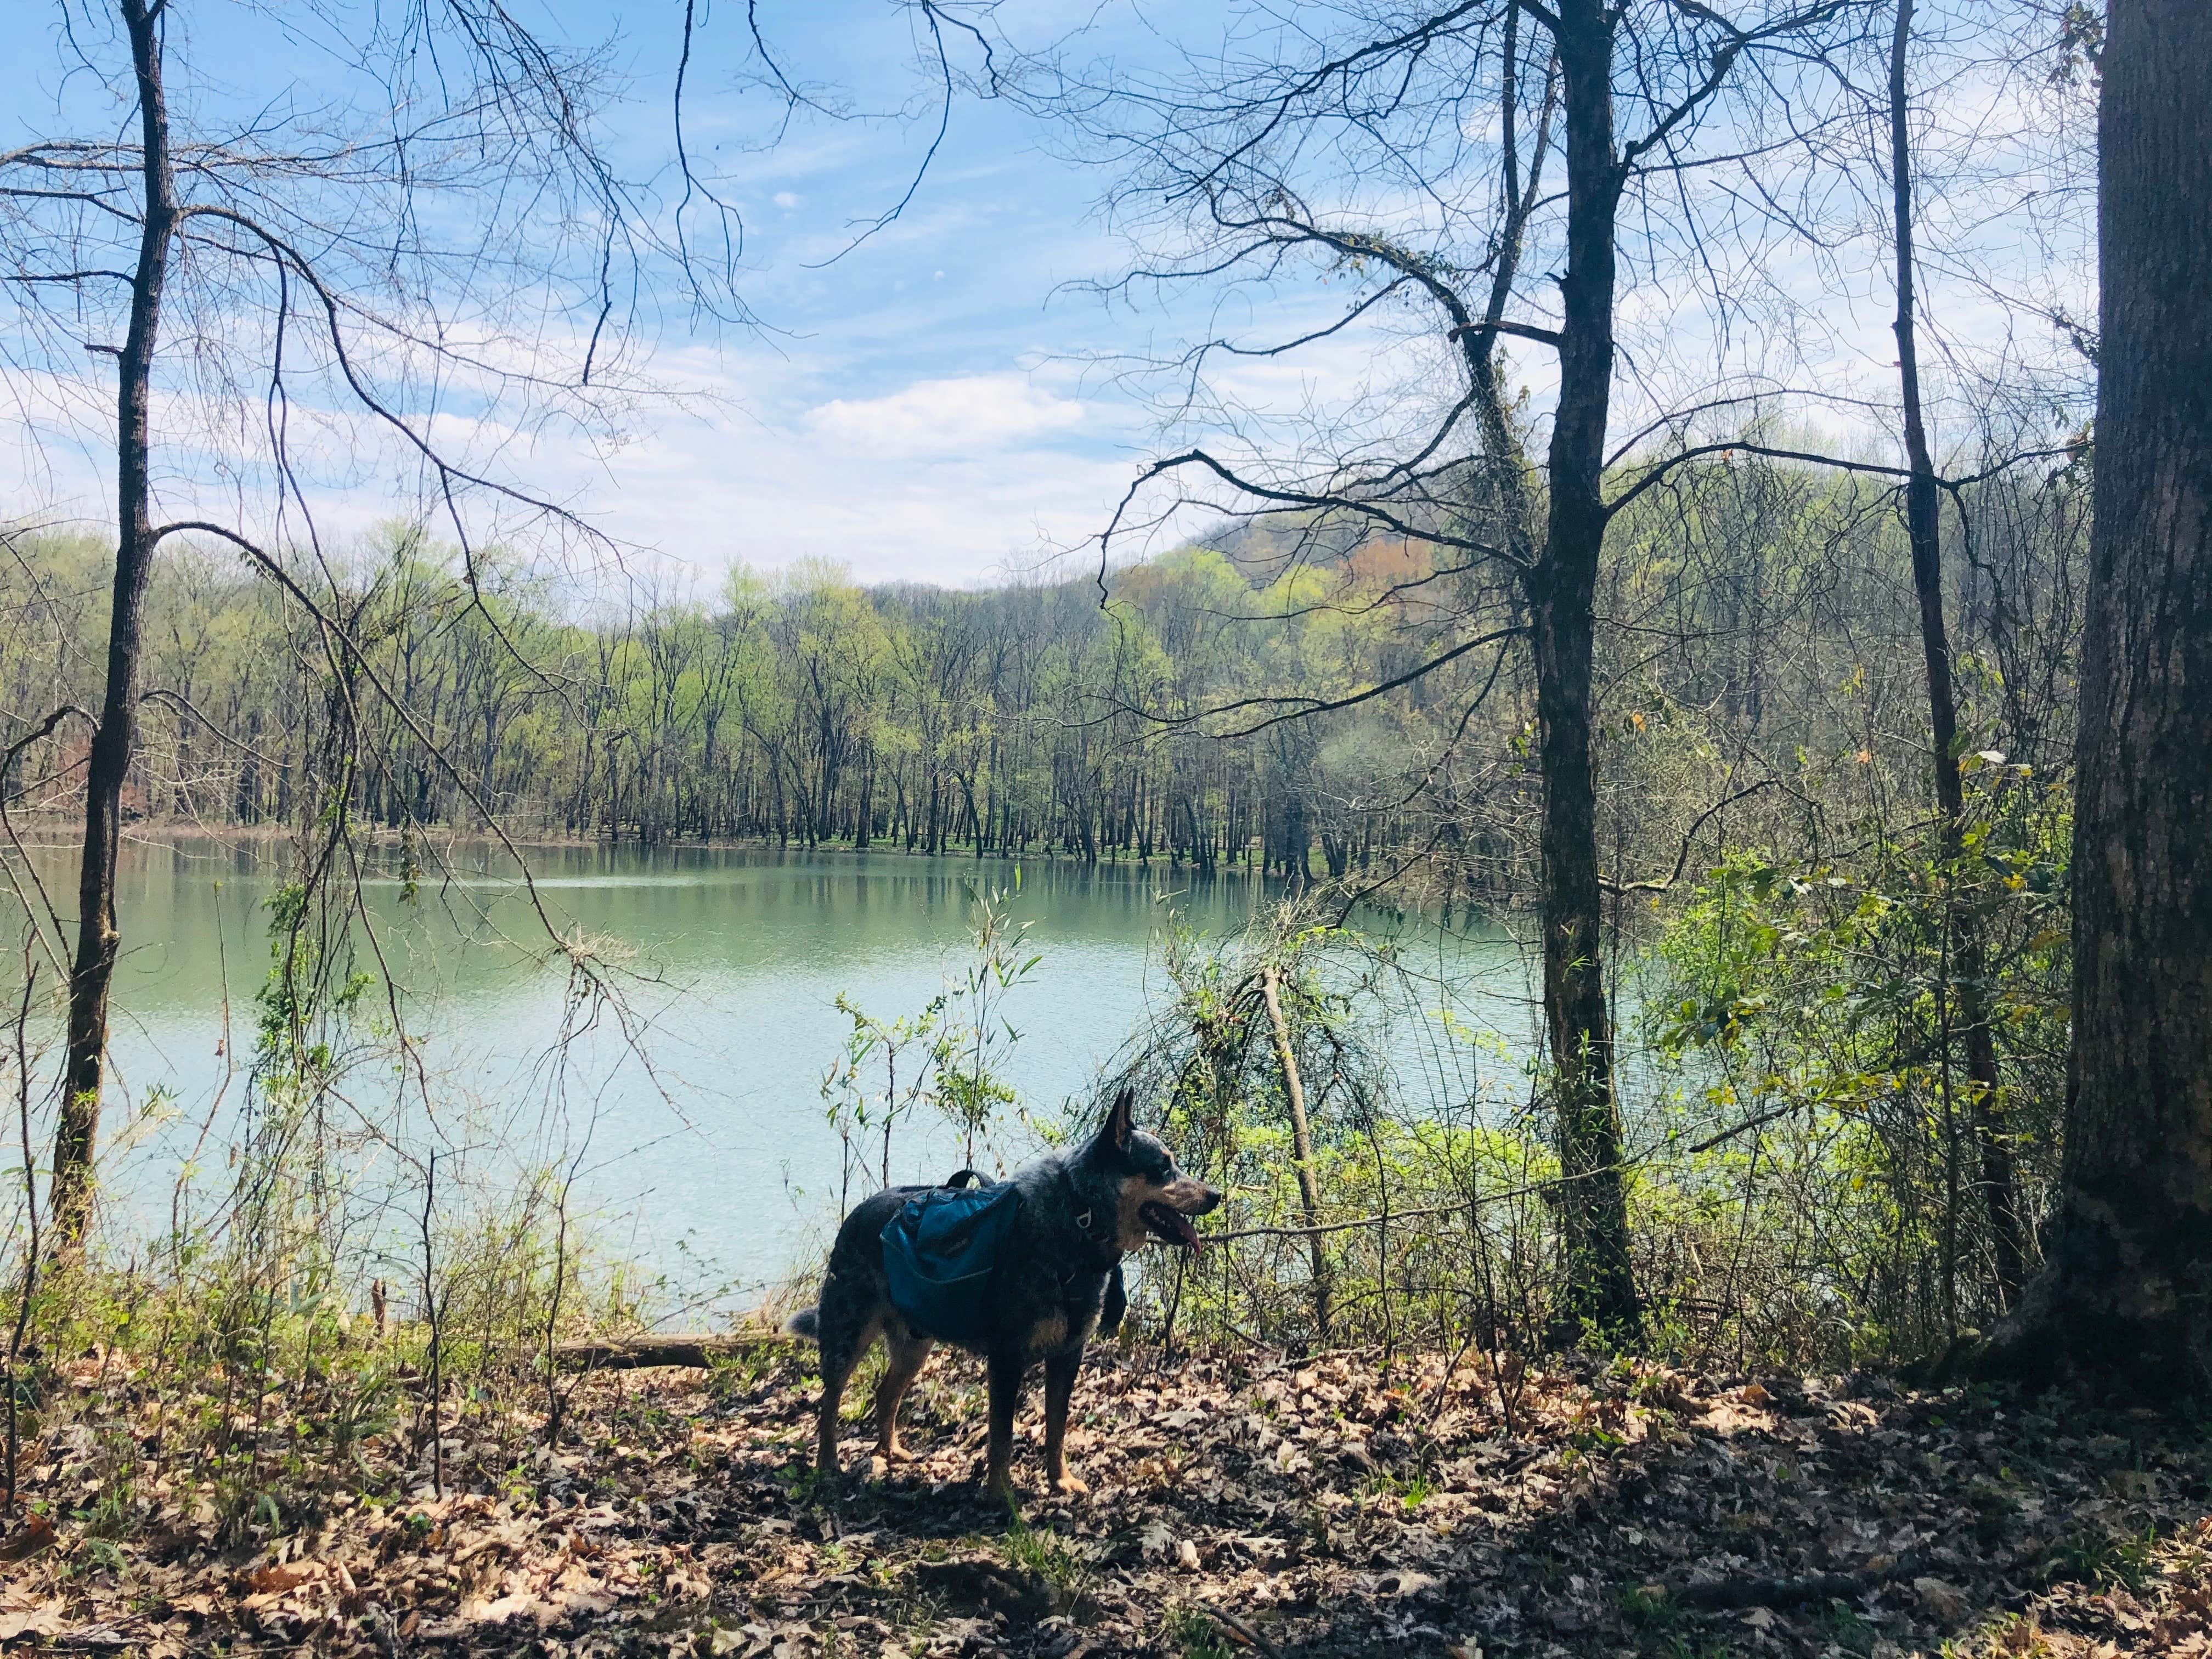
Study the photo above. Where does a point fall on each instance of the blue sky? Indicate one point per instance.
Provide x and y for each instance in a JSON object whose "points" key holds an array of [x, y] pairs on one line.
{"points": [[916, 409], [934, 404]]}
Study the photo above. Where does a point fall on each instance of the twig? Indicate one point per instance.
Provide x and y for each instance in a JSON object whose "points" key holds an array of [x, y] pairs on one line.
{"points": [[553, 1321], [430, 1311], [1622, 888], [1236, 1627], [1294, 1091], [1371, 1220]]}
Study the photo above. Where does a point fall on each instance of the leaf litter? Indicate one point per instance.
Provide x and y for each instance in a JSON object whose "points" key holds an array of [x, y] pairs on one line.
{"points": [[1331, 1506]]}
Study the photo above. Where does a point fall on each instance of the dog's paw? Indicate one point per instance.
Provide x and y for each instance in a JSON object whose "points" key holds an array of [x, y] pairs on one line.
{"points": [[1072, 1486]]}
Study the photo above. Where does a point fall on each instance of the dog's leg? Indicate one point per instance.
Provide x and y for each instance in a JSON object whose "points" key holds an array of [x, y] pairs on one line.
{"points": [[841, 1348], [907, 1355], [1005, 1374], [1059, 1369]]}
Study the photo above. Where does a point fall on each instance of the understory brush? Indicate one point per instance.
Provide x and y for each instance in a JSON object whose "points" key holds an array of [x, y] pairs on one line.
{"points": [[259, 1383], [1808, 1164]]}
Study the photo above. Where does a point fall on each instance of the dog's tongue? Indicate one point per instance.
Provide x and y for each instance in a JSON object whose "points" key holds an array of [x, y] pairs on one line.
{"points": [[1185, 1232]]}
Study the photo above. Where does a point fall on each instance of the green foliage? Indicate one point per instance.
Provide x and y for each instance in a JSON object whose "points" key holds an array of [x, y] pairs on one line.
{"points": [[1449, 1230], [1840, 1623], [1195, 1636], [2102, 1558], [1046, 1556], [971, 1049], [949, 1056], [1649, 1612], [796, 705], [1818, 1103]]}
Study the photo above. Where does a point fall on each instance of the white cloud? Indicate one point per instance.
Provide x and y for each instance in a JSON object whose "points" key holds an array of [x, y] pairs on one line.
{"points": [[967, 415], [950, 481]]}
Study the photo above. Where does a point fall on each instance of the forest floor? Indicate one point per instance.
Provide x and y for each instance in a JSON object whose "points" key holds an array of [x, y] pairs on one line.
{"points": [[1333, 1506]]}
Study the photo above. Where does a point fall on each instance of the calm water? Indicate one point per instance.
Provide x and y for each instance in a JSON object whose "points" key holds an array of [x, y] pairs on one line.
{"points": [[709, 1146]]}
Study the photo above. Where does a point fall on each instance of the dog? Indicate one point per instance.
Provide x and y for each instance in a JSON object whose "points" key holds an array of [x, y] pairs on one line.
{"points": [[1081, 1211]]}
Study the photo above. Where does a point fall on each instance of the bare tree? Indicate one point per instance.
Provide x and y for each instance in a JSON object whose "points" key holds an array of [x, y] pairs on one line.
{"points": [[1372, 157], [1923, 529]]}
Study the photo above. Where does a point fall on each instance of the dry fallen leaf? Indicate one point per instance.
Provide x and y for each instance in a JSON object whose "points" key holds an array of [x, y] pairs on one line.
{"points": [[1945, 1601], [34, 1534], [275, 1580], [46, 1621]]}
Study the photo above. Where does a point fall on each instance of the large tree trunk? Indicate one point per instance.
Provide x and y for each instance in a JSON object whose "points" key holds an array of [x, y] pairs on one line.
{"points": [[98, 940], [2128, 1294], [1562, 595], [1923, 529]]}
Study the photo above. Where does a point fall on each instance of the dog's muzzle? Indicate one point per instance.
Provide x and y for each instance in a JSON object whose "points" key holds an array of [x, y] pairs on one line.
{"points": [[1172, 1227]]}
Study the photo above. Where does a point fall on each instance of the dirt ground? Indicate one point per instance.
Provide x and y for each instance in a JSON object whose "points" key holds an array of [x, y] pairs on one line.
{"points": [[1340, 1505]]}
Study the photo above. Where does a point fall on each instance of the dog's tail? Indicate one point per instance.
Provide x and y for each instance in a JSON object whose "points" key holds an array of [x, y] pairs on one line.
{"points": [[807, 1322]]}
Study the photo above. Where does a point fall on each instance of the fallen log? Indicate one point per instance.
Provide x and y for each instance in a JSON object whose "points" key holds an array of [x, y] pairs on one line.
{"points": [[624, 1353], [1723, 1593]]}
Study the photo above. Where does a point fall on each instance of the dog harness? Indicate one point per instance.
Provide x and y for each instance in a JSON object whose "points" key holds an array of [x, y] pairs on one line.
{"points": [[943, 1245], [938, 1253]]}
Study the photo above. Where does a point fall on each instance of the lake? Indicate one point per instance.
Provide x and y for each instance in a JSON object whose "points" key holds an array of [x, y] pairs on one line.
{"points": [[705, 1141]]}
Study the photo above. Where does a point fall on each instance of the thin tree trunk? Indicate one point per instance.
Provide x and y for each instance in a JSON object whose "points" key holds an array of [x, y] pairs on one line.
{"points": [[1600, 1288], [1294, 1090], [1560, 585], [2128, 1293], [1923, 529], [77, 1136], [1508, 469]]}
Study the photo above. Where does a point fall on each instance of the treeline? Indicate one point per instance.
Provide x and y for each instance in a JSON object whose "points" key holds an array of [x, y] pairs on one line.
{"points": [[1229, 705], [796, 707]]}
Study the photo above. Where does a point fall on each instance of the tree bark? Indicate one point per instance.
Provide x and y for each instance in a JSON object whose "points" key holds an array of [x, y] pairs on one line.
{"points": [[2128, 1293], [77, 1136], [1923, 529], [1601, 1287]]}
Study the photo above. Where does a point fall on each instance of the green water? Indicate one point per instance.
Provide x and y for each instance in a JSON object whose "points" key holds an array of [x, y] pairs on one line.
{"points": [[703, 1138]]}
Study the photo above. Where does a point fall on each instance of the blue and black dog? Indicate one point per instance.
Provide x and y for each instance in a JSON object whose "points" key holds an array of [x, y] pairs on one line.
{"points": [[1081, 1210]]}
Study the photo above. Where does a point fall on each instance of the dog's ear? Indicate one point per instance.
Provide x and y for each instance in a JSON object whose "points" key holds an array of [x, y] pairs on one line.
{"points": [[1114, 1133]]}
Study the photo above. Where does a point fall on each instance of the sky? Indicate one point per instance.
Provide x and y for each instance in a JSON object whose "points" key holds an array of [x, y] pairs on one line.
{"points": [[936, 403], [919, 407]]}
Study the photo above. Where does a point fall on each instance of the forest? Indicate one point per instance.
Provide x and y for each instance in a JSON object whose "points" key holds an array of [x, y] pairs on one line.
{"points": [[1708, 500], [1222, 707]]}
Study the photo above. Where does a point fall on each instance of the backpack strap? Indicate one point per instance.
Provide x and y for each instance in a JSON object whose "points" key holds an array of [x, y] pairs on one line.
{"points": [[960, 1178]]}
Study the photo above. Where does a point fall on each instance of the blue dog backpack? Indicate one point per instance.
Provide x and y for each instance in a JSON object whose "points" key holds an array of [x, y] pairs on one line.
{"points": [[938, 1252]]}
